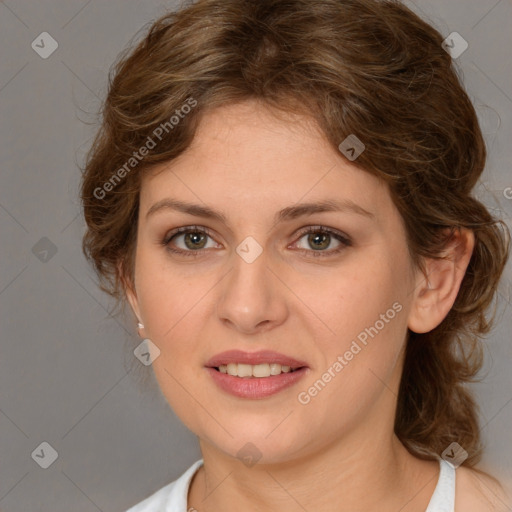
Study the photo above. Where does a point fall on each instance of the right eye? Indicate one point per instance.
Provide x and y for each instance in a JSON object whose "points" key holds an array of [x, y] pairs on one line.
{"points": [[193, 240]]}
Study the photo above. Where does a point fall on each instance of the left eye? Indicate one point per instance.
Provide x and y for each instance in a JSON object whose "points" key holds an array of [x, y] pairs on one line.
{"points": [[195, 240], [320, 238]]}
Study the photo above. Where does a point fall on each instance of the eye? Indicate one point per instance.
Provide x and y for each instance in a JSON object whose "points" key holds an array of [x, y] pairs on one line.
{"points": [[320, 238], [192, 240]]}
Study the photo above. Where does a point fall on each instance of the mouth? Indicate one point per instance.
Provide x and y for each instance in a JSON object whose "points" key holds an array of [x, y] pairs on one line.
{"points": [[261, 363], [258, 371], [256, 388], [255, 375]]}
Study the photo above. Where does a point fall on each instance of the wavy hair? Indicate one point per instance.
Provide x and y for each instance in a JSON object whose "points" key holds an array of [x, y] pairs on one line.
{"points": [[364, 67]]}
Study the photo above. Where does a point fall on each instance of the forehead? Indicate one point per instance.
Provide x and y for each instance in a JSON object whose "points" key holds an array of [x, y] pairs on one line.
{"points": [[243, 156]]}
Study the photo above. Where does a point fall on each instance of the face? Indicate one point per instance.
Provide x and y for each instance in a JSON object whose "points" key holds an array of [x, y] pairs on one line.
{"points": [[332, 289]]}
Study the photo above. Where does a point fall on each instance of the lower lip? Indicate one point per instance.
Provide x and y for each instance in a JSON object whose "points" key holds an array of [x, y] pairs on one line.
{"points": [[256, 387]]}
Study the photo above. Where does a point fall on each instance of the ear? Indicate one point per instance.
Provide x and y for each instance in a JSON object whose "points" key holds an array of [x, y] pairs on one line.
{"points": [[437, 289], [130, 292]]}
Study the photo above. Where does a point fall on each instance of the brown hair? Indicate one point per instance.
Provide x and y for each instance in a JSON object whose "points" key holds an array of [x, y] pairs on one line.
{"points": [[364, 67]]}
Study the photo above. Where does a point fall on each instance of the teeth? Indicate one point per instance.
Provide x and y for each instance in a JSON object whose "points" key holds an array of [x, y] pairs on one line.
{"points": [[257, 370]]}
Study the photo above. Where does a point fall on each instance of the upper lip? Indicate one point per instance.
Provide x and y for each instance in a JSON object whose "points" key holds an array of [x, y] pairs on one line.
{"points": [[253, 358]]}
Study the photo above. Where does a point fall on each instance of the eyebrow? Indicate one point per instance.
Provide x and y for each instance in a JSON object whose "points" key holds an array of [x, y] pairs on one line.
{"points": [[288, 213]]}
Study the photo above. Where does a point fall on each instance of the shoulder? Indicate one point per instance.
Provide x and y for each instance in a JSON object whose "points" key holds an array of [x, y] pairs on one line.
{"points": [[157, 500], [172, 496], [477, 491]]}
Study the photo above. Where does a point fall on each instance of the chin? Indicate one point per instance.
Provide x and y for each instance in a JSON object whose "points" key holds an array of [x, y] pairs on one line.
{"points": [[257, 447]]}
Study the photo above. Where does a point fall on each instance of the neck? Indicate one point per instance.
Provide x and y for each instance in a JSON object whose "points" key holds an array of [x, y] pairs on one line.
{"points": [[366, 470]]}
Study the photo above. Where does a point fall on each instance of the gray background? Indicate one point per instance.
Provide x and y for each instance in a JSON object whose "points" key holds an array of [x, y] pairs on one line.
{"points": [[68, 376]]}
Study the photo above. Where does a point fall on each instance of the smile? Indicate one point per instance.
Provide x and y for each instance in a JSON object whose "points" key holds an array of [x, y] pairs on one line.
{"points": [[254, 371]]}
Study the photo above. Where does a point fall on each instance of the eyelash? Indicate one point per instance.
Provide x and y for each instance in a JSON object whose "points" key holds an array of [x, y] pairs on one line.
{"points": [[343, 239]]}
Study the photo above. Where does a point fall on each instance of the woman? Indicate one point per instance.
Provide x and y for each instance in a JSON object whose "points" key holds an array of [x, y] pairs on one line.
{"points": [[281, 190]]}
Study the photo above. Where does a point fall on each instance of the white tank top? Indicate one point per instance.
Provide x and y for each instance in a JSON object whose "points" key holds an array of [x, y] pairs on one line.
{"points": [[443, 499], [173, 497]]}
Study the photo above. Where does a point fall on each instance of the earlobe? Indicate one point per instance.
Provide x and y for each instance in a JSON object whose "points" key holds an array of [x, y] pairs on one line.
{"points": [[130, 293], [134, 303], [437, 289]]}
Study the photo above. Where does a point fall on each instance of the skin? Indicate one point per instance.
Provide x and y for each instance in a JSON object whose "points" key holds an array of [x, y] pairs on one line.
{"points": [[248, 164]]}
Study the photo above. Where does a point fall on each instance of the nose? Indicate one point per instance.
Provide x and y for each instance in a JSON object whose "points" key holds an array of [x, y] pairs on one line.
{"points": [[252, 298]]}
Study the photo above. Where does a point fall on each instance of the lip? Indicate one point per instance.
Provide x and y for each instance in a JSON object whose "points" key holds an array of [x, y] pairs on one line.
{"points": [[255, 388], [253, 358]]}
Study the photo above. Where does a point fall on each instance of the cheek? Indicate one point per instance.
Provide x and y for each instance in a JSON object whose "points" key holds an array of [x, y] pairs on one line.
{"points": [[175, 306], [171, 311], [164, 295], [361, 367], [366, 311], [354, 298]]}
